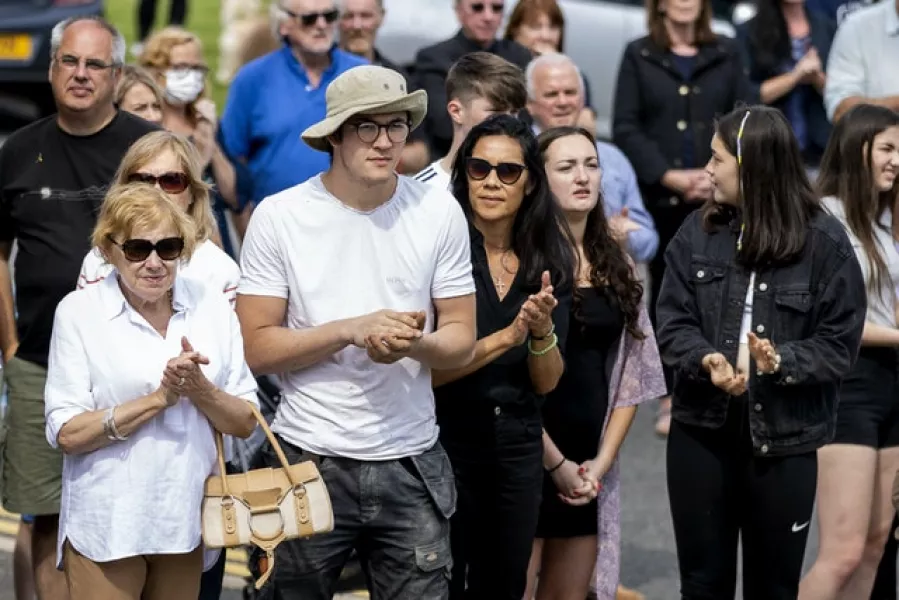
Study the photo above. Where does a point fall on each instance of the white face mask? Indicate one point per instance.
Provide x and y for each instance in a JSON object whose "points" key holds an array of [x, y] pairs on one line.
{"points": [[183, 86]]}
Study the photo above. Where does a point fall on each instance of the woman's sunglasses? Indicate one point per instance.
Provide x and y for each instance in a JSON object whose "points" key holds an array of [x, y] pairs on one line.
{"points": [[170, 183], [479, 169], [140, 250]]}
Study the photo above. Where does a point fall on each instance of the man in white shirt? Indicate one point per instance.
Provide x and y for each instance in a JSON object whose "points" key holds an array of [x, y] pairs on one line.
{"points": [[355, 285], [478, 85]]}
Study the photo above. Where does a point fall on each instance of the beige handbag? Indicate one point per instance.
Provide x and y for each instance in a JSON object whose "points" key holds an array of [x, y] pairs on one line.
{"points": [[266, 506]]}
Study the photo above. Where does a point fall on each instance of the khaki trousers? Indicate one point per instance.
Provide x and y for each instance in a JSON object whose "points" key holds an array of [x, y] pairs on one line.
{"points": [[151, 577]]}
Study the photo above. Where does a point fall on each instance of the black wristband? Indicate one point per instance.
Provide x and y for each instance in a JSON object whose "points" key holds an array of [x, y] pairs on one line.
{"points": [[552, 330], [556, 468]]}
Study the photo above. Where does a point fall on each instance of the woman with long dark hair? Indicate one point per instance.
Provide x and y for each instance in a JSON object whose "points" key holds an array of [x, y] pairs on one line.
{"points": [[785, 48], [760, 318], [612, 364], [672, 83], [856, 470], [489, 411]]}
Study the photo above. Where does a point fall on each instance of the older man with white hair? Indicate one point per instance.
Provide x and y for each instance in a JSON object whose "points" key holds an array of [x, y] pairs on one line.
{"points": [[274, 98]]}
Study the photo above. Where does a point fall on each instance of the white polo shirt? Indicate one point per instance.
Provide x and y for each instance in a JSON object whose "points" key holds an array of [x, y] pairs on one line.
{"points": [[331, 262], [141, 496], [209, 265]]}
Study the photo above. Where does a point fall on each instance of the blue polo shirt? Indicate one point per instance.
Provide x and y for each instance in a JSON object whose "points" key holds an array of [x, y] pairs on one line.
{"points": [[270, 103]]}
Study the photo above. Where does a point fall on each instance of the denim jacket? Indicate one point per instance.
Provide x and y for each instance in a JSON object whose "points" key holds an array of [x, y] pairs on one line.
{"points": [[813, 311]]}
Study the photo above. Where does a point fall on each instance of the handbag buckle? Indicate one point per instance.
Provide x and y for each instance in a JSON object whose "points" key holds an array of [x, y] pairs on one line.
{"points": [[266, 511]]}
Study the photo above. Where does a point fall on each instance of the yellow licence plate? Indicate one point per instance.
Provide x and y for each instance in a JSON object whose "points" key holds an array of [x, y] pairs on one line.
{"points": [[15, 47]]}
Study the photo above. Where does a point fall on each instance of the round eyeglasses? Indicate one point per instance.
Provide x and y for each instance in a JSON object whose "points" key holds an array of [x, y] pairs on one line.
{"points": [[369, 131]]}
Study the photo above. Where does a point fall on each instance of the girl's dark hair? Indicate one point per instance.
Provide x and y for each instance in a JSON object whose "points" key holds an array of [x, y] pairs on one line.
{"points": [[608, 261], [777, 201], [768, 36], [846, 174], [540, 233]]}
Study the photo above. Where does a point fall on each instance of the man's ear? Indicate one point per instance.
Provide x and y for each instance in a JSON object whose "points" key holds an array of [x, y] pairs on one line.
{"points": [[455, 110]]}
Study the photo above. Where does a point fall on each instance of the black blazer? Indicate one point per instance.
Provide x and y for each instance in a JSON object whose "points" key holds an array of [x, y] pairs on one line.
{"points": [[655, 107], [822, 31], [431, 67]]}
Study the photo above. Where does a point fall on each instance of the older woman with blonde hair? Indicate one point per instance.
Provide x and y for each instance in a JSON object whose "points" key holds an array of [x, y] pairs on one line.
{"points": [[143, 367], [138, 93], [171, 163]]}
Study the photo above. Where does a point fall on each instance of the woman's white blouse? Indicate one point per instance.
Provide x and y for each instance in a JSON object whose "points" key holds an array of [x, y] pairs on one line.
{"points": [[141, 496], [209, 264]]}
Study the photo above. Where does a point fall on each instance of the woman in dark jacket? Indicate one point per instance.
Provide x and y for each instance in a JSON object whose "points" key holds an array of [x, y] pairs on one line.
{"points": [[671, 86], [785, 49], [760, 316]]}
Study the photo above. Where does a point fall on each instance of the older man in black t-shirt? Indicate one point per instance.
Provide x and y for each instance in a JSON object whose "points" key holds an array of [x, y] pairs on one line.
{"points": [[53, 177]]}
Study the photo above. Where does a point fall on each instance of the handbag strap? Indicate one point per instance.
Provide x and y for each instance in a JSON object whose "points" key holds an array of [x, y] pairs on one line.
{"points": [[220, 450]]}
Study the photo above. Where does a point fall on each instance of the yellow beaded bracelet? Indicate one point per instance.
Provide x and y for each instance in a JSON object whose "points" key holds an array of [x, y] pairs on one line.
{"points": [[546, 350]]}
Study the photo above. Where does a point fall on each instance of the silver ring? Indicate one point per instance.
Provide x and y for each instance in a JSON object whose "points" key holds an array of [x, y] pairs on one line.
{"points": [[181, 382]]}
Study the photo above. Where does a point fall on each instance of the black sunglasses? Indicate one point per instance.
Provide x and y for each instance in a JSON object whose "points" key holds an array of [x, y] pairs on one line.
{"points": [[170, 183], [479, 7], [310, 19], [140, 250], [479, 169]]}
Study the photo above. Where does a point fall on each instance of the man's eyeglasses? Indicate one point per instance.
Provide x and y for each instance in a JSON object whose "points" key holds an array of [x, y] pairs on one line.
{"points": [[508, 173], [170, 183], [479, 7], [310, 19], [95, 65], [139, 250], [369, 131]]}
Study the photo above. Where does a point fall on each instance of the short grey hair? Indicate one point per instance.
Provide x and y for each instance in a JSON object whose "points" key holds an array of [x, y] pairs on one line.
{"points": [[118, 40], [550, 59], [277, 15]]}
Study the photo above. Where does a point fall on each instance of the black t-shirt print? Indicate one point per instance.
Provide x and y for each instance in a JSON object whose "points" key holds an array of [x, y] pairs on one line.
{"points": [[51, 187]]}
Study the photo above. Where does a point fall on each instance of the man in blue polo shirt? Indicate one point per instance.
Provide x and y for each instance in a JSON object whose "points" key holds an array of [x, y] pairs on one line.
{"points": [[273, 99]]}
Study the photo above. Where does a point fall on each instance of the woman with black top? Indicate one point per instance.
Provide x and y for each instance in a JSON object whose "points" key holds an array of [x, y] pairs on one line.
{"points": [[857, 469], [760, 317], [785, 47], [611, 365], [489, 411], [672, 84]]}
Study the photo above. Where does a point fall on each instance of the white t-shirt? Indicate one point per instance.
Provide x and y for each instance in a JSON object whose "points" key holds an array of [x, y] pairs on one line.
{"points": [[209, 265], [332, 262], [434, 174]]}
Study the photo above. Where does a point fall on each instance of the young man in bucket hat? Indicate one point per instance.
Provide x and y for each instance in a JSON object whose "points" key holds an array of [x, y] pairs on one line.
{"points": [[355, 285]]}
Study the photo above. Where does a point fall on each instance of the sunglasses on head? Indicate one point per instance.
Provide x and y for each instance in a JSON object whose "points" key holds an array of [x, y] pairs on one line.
{"points": [[496, 7], [170, 183], [140, 250], [479, 169], [310, 19]]}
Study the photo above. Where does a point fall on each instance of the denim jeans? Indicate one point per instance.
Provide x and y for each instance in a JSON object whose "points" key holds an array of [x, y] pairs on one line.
{"points": [[394, 513]]}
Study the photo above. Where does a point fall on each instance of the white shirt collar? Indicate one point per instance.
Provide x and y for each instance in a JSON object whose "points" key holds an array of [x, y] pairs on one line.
{"points": [[114, 302]]}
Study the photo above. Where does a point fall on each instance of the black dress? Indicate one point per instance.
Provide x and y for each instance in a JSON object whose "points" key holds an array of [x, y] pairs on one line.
{"points": [[574, 413]]}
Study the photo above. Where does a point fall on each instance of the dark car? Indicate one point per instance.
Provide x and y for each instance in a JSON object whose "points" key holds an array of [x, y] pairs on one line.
{"points": [[25, 27]]}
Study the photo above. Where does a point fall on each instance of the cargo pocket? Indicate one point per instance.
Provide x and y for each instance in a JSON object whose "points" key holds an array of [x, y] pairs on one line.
{"points": [[437, 474], [434, 556]]}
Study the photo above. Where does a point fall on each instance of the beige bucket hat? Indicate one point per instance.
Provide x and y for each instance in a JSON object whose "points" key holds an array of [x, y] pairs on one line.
{"points": [[368, 90]]}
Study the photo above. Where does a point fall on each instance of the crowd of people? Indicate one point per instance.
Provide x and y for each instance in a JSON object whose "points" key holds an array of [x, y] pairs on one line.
{"points": [[463, 296]]}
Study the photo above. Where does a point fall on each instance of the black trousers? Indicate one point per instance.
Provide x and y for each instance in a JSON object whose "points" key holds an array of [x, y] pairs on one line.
{"points": [[211, 582], [719, 493], [146, 14], [885, 583], [499, 484]]}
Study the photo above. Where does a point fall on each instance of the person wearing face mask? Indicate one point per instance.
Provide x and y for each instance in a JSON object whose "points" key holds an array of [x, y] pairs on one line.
{"points": [[175, 56], [760, 316]]}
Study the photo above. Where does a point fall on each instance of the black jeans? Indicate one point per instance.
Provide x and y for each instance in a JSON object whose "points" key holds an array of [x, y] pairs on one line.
{"points": [[146, 14], [211, 582], [500, 484], [885, 583], [394, 513], [719, 492]]}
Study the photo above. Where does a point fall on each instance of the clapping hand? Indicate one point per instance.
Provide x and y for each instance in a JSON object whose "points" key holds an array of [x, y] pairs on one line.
{"points": [[620, 225], [723, 374], [183, 374], [538, 309], [766, 358], [388, 336]]}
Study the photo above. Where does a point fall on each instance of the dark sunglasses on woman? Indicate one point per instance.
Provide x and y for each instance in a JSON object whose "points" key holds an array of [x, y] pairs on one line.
{"points": [[170, 183], [139, 250], [479, 169]]}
